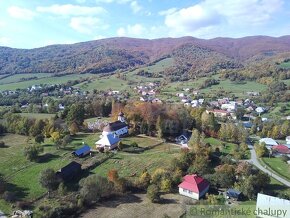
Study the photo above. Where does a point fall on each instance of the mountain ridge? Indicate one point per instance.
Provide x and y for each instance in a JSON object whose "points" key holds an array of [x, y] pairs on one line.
{"points": [[123, 53]]}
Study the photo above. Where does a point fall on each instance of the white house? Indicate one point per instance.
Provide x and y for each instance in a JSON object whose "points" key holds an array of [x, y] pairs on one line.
{"points": [[232, 106], [268, 206], [193, 186], [118, 128], [268, 141], [288, 140], [108, 142]]}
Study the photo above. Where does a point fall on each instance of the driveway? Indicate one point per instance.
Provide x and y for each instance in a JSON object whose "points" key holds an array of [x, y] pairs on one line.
{"points": [[254, 161]]}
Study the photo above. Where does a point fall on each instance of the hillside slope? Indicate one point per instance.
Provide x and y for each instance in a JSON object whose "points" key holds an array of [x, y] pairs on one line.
{"points": [[108, 55]]}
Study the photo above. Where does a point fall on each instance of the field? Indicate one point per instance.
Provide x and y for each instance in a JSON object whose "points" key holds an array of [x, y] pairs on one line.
{"points": [[47, 80], [129, 164], [22, 175], [285, 65], [278, 166], [17, 77], [104, 83], [137, 205], [37, 115], [227, 149]]}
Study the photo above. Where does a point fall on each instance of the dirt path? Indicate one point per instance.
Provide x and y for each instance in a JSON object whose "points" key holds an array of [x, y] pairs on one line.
{"points": [[138, 206]]}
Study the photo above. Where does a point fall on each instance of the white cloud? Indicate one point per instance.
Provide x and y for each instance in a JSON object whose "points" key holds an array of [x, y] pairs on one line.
{"points": [[99, 37], [4, 41], [121, 32], [167, 12], [136, 30], [71, 10], [21, 13], [113, 1], [87, 25], [202, 18], [135, 7]]}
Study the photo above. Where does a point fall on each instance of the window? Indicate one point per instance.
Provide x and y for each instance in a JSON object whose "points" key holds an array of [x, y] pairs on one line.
{"points": [[190, 192]]}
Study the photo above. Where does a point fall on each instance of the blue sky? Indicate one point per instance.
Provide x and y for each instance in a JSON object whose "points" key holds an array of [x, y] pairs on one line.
{"points": [[35, 23]]}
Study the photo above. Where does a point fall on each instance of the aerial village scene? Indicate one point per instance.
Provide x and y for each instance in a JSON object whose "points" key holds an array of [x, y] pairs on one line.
{"points": [[188, 117]]}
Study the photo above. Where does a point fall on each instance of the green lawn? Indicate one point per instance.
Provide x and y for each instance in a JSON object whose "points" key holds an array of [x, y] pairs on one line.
{"points": [[285, 65], [278, 166], [17, 77], [48, 80], [104, 83], [128, 164], [37, 115], [22, 175], [238, 89]]}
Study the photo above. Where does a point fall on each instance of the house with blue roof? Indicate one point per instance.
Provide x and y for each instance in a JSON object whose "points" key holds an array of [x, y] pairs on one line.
{"points": [[83, 151]]}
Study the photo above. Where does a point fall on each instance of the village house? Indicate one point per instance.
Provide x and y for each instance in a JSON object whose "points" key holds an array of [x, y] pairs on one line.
{"points": [[70, 171], [280, 150], [231, 106], [119, 127], [82, 152], [219, 113], [108, 142], [234, 194], [267, 206], [193, 186], [269, 142], [288, 140]]}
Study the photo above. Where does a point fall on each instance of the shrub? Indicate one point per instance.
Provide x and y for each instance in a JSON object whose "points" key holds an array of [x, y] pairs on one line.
{"points": [[2, 144], [284, 158], [153, 193], [9, 196]]}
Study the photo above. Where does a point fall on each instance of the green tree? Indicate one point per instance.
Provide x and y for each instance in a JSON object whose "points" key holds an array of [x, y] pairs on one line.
{"points": [[94, 187], [194, 140], [32, 151], [153, 193], [39, 138], [76, 114], [49, 180]]}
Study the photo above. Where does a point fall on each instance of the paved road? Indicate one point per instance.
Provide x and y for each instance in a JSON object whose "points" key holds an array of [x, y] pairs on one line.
{"points": [[254, 161]]}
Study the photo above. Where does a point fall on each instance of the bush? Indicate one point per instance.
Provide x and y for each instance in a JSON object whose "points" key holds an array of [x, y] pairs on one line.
{"points": [[31, 152], [134, 145], [2, 144], [9, 196], [285, 158], [153, 193]]}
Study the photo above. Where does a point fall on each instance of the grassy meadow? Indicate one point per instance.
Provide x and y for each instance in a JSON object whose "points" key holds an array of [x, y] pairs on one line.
{"points": [[278, 166], [22, 176], [16, 84]]}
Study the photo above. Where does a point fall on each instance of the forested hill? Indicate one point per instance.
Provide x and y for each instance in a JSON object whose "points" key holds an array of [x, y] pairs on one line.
{"points": [[107, 55]]}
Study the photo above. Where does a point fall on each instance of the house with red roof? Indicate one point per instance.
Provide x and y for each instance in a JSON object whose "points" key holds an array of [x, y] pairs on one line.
{"points": [[281, 149], [193, 186]]}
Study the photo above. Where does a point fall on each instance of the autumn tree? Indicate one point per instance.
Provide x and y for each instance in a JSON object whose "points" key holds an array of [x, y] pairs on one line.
{"points": [[144, 179], [261, 149], [226, 175]]}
